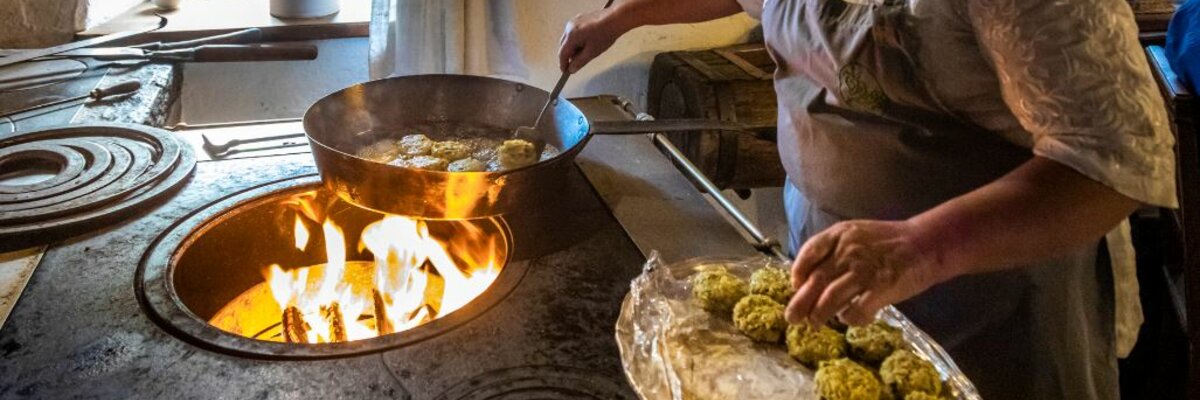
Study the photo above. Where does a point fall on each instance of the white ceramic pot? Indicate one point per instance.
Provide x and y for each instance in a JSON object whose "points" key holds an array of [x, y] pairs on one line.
{"points": [[304, 8]]}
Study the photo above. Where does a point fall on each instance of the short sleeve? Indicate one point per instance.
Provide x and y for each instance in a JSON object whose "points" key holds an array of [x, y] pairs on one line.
{"points": [[1074, 75]]}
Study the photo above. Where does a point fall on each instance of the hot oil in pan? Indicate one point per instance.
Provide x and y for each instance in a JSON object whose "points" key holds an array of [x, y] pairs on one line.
{"points": [[441, 146]]}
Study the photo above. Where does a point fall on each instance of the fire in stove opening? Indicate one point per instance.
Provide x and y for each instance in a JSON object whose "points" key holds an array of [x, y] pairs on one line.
{"points": [[415, 277]]}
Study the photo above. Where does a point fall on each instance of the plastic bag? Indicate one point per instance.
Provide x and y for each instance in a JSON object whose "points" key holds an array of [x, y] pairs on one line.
{"points": [[672, 349]]}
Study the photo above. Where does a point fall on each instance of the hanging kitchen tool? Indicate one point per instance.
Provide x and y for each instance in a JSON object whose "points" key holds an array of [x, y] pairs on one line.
{"points": [[38, 53], [245, 36], [97, 94], [216, 53], [344, 122]]}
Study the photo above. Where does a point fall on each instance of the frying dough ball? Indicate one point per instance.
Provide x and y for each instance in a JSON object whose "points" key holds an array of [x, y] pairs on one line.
{"points": [[772, 282], [908, 373], [810, 345], [421, 162], [451, 150], [382, 151], [842, 379], [467, 165], [717, 290], [759, 318], [516, 153], [874, 342], [415, 145]]}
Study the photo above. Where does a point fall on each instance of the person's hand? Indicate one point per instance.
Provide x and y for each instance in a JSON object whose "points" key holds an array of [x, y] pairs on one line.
{"points": [[585, 37], [855, 268]]}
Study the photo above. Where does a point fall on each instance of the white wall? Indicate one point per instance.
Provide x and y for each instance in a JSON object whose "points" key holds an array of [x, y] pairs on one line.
{"points": [[245, 91], [223, 92], [623, 69]]}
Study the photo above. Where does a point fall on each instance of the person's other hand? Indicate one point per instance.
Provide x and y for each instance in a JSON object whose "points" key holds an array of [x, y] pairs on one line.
{"points": [[855, 268], [585, 37]]}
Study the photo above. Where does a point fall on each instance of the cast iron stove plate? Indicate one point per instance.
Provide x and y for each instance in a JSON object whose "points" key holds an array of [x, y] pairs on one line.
{"points": [[79, 331]]}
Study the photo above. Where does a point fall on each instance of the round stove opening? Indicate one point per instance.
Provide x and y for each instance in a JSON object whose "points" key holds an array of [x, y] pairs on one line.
{"points": [[290, 270]]}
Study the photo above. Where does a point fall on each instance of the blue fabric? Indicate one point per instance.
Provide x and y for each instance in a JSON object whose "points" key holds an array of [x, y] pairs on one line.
{"points": [[1183, 44]]}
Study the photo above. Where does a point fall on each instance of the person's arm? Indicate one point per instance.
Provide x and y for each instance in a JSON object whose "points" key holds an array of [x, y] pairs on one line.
{"points": [[1083, 94], [589, 34], [1041, 209]]}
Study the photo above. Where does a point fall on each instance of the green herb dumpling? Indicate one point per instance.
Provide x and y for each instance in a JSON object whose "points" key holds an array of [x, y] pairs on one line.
{"points": [[812, 344], [717, 290], [874, 342], [772, 282], [759, 318], [907, 373], [842, 379]]}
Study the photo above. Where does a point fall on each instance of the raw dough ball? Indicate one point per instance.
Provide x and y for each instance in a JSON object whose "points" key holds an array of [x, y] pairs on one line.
{"points": [[874, 342], [382, 151], [760, 318], [451, 150], [907, 373], [772, 282], [421, 162], [415, 145], [842, 379], [514, 154], [467, 165], [717, 290], [810, 345]]}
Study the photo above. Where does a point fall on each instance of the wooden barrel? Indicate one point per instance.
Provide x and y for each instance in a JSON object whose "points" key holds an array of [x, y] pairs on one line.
{"points": [[729, 84]]}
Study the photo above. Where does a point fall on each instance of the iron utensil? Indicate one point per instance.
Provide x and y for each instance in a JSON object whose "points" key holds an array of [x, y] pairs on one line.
{"points": [[234, 151], [217, 149], [530, 133], [97, 94], [203, 53], [229, 53], [244, 36], [38, 53]]}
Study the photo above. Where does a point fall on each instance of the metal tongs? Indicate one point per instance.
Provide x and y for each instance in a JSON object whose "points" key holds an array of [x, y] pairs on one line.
{"points": [[229, 47]]}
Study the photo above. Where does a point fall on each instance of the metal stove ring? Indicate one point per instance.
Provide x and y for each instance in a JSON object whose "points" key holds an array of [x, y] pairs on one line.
{"points": [[158, 296], [70, 197], [105, 171], [90, 158], [70, 165]]}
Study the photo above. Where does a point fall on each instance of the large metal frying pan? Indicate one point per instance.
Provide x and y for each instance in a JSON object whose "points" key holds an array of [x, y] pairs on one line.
{"points": [[342, 123]]}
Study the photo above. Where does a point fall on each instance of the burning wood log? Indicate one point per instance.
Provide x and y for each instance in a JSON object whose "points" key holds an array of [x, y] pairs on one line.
{"points": [[337, 324], [294, 330], [383, 324]]}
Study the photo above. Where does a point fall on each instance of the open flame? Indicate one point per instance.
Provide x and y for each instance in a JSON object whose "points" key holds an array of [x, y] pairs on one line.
{"points": [[414, 278]]}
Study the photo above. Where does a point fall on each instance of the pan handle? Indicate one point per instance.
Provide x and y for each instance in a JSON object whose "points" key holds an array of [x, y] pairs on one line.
{"points": [[665, 125]]}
